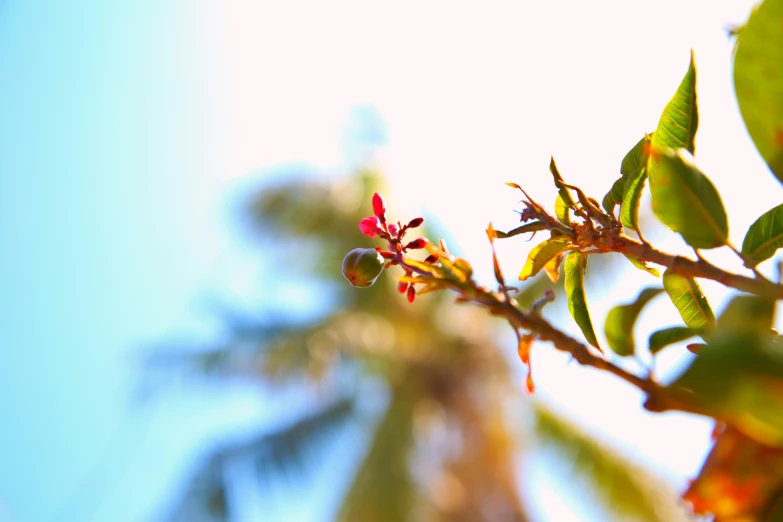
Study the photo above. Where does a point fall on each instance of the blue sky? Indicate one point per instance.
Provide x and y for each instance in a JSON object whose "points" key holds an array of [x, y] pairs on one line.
{"points": [[129, 130], [109, 222]]}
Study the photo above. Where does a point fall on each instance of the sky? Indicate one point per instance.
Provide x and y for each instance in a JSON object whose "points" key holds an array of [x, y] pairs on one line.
{"points": [[131, 129]]}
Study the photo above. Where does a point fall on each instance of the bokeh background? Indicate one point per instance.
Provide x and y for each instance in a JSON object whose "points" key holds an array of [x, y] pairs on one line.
{"points": [[180, 181]]}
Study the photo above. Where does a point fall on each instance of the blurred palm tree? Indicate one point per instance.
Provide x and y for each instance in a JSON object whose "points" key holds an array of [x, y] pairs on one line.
{"points": [[442, 447]]}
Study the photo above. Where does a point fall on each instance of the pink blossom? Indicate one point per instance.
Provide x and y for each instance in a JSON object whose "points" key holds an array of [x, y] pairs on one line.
{"points": [[369, 226], [378, 205]]}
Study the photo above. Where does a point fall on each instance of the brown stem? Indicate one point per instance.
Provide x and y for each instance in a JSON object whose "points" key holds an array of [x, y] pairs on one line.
{"points": [[658, 398], [689, 268]]}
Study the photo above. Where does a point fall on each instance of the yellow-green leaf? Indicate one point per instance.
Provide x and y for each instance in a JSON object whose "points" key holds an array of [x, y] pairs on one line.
{"points": [[660, 339], [562, 211], [463, 266], [533, 226], [758, 81], [431, 287], [541, 255], [685, 200], [614, 196], [680, 119], [634, 170], [621, 319], [677, 129], [689, 300], [636, 158], [567, 198], [574, 268], [552, 268], [764, 237], [642, 265]]}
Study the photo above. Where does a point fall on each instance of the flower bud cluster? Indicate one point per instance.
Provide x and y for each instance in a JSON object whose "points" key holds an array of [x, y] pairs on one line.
{"points": [[360, 266]]}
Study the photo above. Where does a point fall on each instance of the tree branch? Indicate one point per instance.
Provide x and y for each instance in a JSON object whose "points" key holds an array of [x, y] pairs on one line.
{"points": [[689, 268]]}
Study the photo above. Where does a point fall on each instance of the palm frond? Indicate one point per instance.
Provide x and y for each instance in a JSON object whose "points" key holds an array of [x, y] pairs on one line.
{"points": [[293, 447], [623, 487], [290, 449], [384, 489], [206, 499], [246, 352]]}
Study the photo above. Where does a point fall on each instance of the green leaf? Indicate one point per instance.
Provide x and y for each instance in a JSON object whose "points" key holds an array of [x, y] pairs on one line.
{"points": [[660, 339], [533, 226], [680, 119], [747, 313], [614, 196], [687, 202], [636, 158], [634, 170], [541, 255], [621, 319], [562, 211], [642, 265], [687, 296], [764, 237], [575, 265], [567, 198], [738, 375], [738, 378], [758, 81], [632, 196]]}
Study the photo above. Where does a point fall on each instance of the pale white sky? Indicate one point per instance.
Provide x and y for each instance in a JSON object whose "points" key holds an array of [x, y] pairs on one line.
{"points": [[478, 95]]}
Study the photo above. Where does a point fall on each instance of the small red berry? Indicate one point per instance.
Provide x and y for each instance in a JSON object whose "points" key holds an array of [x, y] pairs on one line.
{"points": [[402, 286], [411, 293]]}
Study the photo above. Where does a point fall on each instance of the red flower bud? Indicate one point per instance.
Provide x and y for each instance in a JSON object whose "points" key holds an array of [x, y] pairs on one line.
{"points": [[431, 258], [413, 223], [695, 347], [411, 294], [417, 243], [369, 226], [529, 384], [402, 286], [387, 255], [393, 229], [378, 205]]}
